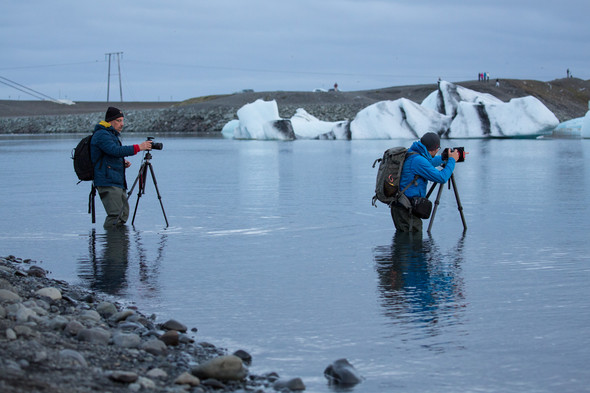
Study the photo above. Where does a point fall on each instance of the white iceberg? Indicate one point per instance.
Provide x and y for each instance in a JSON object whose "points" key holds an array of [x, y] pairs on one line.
{"points": [[585, 129], [451, 111], [401, 118]]}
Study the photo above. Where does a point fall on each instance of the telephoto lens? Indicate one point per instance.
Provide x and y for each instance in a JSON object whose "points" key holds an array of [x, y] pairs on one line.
{"points": [[155, 145]]}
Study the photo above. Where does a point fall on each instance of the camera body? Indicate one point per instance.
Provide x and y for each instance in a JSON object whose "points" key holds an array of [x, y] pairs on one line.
{"points": [[155, 145], [460, 149]]}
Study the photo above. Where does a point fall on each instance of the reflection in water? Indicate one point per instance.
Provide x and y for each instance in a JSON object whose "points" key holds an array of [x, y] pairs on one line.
{"points": [[106, 269], [421, 288]]}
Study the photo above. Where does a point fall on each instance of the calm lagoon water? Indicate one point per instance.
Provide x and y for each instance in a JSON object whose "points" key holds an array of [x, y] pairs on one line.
{"points": [[274, 248]]}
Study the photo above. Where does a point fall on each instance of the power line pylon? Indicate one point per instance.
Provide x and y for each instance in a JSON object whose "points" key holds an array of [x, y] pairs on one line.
{"points": [[119, 73]]}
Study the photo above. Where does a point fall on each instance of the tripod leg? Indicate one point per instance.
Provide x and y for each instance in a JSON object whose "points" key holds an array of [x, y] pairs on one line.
{"points": [[158, 193], [430, 191], [436, 203], [142, 176], [137, 179], [458, 202]]}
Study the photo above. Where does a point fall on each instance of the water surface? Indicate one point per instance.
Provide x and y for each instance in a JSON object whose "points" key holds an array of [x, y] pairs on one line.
{"points": [[274, 248]]}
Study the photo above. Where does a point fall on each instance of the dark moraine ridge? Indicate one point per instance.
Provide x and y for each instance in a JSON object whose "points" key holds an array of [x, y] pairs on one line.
{"points": [[567, 98]]}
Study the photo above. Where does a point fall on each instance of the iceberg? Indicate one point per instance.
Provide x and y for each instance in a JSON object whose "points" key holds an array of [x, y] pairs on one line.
{"points": [[307, 126], [260, 120], [585, 129], [451, 111], [401, 118]]}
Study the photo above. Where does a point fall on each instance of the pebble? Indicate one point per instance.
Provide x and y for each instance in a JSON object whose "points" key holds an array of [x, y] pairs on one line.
{"points": [[224, 368], [154, 346], [94, 335], [187, 379], [171, 337], [49, 292], [174, 325], [126, 340], [294, 384], [8, 296], [123, 376]]}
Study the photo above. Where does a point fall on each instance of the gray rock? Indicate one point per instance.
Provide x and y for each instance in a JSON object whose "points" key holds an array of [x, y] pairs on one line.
{"points": [[223, 368], [174, 325], [89, 315], [121, 315], [36, 271], [187, 379], [157, 373], [6, 285], [146, 383], [73, 328], [126, 340], [341, 372], [94, 335], [10, 334], [123, 376], [25, 331], [7, 296], [293, 384], [49, 292], [170, 337], [154, 346], [57, 323], [25, 314], [2, 312], [106, 309]]}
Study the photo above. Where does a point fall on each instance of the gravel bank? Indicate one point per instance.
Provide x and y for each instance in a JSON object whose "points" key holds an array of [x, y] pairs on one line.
{"points": [[566, 98], [55, 337]]}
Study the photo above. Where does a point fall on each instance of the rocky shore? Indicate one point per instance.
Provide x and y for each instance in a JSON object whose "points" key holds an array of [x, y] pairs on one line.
{"points": [[567, 98], [55, 337]]}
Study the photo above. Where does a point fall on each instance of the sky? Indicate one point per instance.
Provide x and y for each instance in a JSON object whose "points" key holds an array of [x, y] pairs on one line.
{"points": [[179, 49]]}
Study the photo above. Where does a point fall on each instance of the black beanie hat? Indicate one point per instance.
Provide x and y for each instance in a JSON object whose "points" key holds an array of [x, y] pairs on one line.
{"points": [[112, 114], [431, 141]]}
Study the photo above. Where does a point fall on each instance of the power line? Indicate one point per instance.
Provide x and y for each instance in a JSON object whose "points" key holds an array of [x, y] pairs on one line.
{"points": [[26, 90], [49, 65]]}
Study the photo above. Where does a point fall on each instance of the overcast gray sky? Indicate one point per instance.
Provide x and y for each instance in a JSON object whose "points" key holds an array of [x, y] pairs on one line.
{"points": [[179, 49]]}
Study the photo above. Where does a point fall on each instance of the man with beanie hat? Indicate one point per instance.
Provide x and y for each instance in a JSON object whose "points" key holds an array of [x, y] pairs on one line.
{"points": [[108, 156], [419, 168]]}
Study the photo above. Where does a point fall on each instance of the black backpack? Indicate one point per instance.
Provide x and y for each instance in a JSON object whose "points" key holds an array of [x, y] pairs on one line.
{"points": [[85, 170], [389, 174], [82, 162]]}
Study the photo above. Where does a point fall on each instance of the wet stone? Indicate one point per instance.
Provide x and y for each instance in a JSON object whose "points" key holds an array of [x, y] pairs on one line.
{"points": [[174, 325]]}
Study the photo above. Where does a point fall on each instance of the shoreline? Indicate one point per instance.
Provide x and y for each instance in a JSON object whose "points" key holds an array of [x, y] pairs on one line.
{"points": [[58, 337], [567, 98]]}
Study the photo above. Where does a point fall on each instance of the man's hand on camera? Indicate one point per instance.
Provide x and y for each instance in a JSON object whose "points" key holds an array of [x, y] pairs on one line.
{"points": [[145, 145], [454, 153]]}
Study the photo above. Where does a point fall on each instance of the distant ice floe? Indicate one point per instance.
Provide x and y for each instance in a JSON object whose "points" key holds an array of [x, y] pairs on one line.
{"points": [[451, 111]]}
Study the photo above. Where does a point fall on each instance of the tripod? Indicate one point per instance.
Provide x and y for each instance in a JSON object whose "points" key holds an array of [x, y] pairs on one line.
{"points": [[141, 179], [437, 201]]}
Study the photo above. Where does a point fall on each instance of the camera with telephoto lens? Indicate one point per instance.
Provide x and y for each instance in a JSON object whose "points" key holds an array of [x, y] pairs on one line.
{"points": [[461, 150], [155, 145]]}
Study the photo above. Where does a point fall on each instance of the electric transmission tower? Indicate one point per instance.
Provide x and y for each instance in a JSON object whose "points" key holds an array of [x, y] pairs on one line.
{"points": [[119, 73]]}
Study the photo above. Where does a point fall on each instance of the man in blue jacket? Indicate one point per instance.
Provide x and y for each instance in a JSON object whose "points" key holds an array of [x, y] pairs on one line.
{"points": [[417, 171], [108, 156]]}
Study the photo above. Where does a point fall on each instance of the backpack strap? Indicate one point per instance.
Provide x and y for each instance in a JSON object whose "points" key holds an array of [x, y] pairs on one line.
{"points": [[91, 209], [414, 181]]}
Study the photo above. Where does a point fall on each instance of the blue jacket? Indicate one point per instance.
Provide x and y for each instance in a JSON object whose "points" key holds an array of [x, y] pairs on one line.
{"points": [[423, 165], [107, 155]]}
